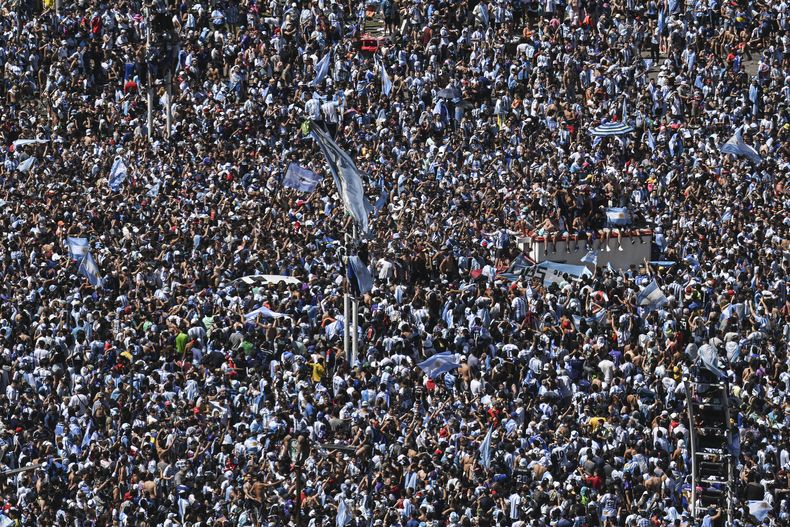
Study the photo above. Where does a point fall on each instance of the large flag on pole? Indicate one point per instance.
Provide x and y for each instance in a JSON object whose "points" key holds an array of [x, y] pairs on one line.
{"points": [[485, 450], [89, 268], [322, 69], [737, 147], [301, 179], [437, 364], [118, 175], [347, 178]]}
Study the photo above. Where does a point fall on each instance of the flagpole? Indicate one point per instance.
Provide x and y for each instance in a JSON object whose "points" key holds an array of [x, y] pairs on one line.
{"points": [[149, 80], [354, 307], [346, 311]]}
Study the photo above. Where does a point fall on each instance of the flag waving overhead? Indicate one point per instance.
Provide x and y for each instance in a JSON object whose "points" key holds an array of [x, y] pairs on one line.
{"points": [[322, 69], [651, 297], [118, 175], [78, 247], [347, 178], [301, 179], [359, 275], [89, 268], [437, 364], [737, 147]]}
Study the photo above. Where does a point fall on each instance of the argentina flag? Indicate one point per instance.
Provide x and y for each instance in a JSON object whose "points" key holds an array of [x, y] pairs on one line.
{"points": [[78, 247], [301, 179], [618, 216], [262, 311], [485, 450], [359, 275], [322, 69], [347, 178], [437, 364], [651, 297], [591, 257], [26, 165], [386, 83], [118, 175], [737, 147], [89, 268]]}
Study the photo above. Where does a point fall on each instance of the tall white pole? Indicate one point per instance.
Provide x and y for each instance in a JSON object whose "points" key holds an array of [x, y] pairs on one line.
{"points": [[354, 308], [347, 327], [150, 80]]}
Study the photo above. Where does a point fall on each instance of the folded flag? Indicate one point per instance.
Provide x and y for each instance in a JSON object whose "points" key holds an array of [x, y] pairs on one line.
{"points": [[437, 364], [618, 216], [737, 147], [78, 247], [301, 179], [347, 178], [118, 175], [89, 268]]}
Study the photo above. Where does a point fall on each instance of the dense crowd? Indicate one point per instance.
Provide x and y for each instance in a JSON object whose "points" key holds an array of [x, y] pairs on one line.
{"points": [[149, 399]]}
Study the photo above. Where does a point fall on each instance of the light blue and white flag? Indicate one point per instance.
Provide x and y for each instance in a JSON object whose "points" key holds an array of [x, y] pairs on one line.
{"points": [[78, 247], [301, 179], [437, 364], [651, 297], [737, 147], [343, 514], [591, 257], [347, 178], [263, 311], [386, 83], [154, 190], [118, 174], [710, 359], [359, 275], [485, 450], [89, 268], [322, 69], [382, 201], [759, 509], [651, 141], [618, 216], [732, 310], [87, 437], [26, 165]]}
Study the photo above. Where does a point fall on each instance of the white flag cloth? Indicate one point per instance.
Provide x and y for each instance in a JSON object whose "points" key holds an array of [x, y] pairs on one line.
{"points": [[759, 509], [485, 450], [265, 311], [322, 69], [347, 178], [651, 297], [737, 147], [78, 247], [300, 178], [437, 364], [118, 175]]}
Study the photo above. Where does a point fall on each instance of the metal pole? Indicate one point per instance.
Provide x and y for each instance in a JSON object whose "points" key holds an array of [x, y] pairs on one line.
{"points": [[354, 305], [346, 327], [298, 501], [57, 7], [354, 329], [169, 112], [150, 80]]}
